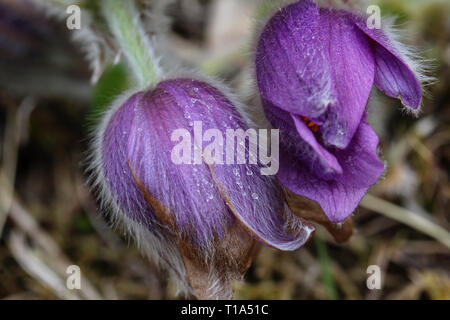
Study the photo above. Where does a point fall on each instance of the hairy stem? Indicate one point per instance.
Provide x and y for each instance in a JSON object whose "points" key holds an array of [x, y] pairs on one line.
{"points": [[123, 20]]}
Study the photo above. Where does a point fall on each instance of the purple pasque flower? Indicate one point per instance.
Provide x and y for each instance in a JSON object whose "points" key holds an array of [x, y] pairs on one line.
{"points": [[315, 69], [188, 210]]}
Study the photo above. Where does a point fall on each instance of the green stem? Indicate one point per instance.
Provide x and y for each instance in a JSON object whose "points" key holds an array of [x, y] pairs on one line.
{"points": [[123, 20]]}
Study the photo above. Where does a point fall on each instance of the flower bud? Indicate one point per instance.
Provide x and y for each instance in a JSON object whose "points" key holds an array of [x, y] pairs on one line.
{"points": [[315, 69], [199, 218]]}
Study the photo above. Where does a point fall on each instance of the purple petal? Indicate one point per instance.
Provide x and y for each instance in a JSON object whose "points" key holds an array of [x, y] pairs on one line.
{"points": [[302, 143], [307, 135], [115, 165], [338, 198], [352, 71], [291, 65], [255, 202], [187, 193], [393, 76]]}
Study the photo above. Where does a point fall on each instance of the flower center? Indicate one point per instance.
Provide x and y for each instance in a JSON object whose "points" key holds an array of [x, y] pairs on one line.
{"points": [[313, 126]]}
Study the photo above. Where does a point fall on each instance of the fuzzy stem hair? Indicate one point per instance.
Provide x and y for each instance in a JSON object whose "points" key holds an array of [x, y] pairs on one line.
{"points": [[124, 22]]}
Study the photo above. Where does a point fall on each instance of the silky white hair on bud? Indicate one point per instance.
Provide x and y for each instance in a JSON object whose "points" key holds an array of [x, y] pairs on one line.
{"points": [[159, 246]]}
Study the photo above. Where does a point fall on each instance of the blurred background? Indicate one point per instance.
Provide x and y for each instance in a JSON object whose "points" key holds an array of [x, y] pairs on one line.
{"points": [[50, 220]]}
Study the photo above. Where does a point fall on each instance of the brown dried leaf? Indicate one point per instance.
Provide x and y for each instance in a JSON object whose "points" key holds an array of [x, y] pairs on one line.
{"points": [[311, 210]]}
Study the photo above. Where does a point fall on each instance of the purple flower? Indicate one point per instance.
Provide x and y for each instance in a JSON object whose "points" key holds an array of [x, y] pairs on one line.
{"points": [[194, 214], [315, 69]]}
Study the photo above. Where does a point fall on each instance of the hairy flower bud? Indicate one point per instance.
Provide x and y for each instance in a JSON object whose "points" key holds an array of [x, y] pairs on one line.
{"points": [[315, 69], [198, 218]]}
